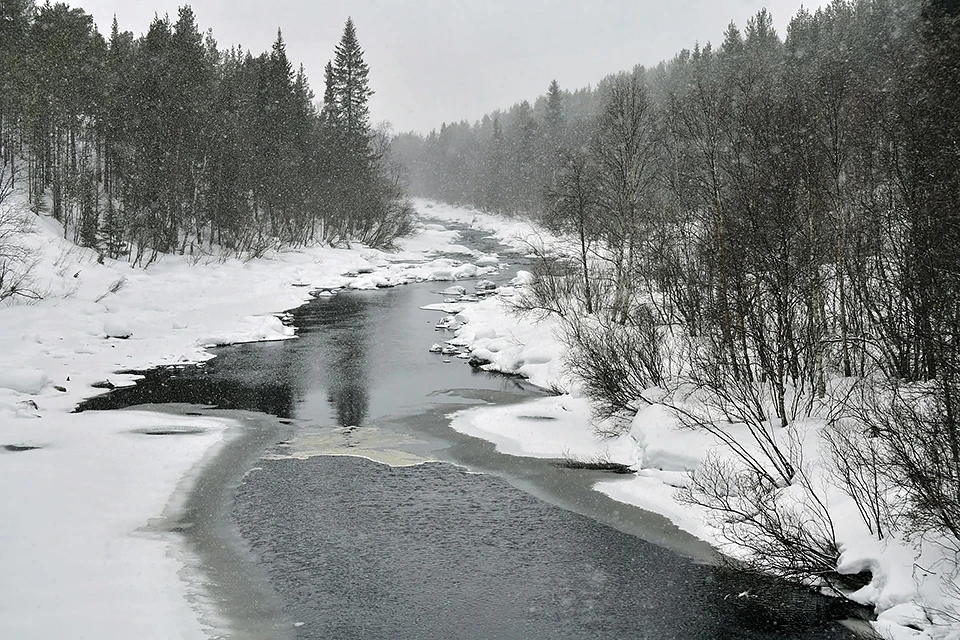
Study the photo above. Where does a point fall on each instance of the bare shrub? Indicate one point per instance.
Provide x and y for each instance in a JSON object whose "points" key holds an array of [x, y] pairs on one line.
{"points": [[914, 428], [859, 461], [616, 362], [17, 262], [388, 219], [114, 287], [713, 398], [554, 289], [786, 532]]}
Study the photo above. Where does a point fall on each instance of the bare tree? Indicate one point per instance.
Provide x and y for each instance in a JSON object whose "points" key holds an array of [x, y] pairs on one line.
{"points": [[572, 208], [625, 150]]}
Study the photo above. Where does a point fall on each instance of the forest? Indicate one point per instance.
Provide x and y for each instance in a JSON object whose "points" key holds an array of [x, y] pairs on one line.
{"points": [[762, 235], [166, 143]]}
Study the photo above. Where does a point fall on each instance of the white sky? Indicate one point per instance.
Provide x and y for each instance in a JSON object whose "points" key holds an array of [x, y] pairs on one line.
{"points": [[433, 61]]}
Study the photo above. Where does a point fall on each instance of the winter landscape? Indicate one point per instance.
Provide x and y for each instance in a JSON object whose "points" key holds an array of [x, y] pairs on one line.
{"points": [[672, 354]]}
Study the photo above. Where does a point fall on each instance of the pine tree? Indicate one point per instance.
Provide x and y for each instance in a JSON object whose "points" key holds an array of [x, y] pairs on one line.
{"points": [[190, 117], [554, 116], [331, 110], [117, 113], [351, 88]]}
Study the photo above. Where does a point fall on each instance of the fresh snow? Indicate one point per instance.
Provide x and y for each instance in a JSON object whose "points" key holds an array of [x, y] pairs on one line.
{"points": [[912, 596], [83, 543]]}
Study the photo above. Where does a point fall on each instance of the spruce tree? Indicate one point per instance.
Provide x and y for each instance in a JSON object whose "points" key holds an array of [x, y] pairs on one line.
{"points": [[351, 88], [331, 110], [554, 116], [15, 17]]}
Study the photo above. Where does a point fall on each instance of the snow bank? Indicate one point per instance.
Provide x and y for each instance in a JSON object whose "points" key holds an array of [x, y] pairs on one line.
{"points": [[24, 380], [553, 427], [512, 345], [82, 543], [912, 597]]}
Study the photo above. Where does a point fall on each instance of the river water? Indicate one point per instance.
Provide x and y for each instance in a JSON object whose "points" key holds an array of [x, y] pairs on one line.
{"points": [[347, 508]]}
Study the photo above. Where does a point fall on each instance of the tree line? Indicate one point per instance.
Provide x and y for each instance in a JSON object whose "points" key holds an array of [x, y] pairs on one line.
{"points": [[766, 230], [166, 143]]}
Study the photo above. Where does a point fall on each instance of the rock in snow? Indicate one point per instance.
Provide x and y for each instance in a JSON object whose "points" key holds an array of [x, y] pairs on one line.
{"points": [[485, 285]]}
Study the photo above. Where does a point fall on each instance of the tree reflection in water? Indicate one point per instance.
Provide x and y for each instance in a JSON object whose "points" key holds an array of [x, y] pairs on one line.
{"points": [[347, 370]]}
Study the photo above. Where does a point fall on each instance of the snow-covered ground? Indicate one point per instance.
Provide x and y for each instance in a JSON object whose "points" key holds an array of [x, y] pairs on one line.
{"points": [[911, 589], [83, 545]]}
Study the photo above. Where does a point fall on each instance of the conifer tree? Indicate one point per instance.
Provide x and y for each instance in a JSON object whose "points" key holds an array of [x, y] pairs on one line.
{"points": [[554, 116], [331, 110], [15, 17], [351, 88]]}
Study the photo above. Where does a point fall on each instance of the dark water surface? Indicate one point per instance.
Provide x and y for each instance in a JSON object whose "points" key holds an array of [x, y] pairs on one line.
{"points": [[434, 551], [352, 548]]}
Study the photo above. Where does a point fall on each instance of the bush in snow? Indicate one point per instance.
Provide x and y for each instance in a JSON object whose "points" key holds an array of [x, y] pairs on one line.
{"points": [[903, 441], [616, 362], [784, 531], [16, 259]]}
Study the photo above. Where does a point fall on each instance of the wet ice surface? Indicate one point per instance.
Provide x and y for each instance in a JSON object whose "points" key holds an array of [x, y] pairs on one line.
{"points": [[358, 549]]}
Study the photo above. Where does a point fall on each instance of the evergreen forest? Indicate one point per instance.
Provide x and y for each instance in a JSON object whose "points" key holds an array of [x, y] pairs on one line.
{"points": [[168, 143]]}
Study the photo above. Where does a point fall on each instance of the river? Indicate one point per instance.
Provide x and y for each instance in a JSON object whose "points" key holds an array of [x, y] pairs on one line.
{"points": [[345, 506]]}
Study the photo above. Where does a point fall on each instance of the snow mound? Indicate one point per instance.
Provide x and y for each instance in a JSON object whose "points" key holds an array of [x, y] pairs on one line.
{"points": [[522, 278], [455, 290], [465, 271], [442, 275], [117, 328], [26, 380]]}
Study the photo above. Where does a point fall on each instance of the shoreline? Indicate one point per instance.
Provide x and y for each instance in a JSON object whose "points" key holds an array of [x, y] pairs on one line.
{"points": [[95, 491], [233, 595]]}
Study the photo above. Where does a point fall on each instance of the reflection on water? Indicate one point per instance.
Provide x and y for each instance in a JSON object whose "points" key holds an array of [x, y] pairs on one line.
{"points": [[351, 365], [346, 369]]}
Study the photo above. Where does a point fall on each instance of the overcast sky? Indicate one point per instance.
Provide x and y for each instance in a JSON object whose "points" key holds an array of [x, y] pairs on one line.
{"points": [[434, 61]]}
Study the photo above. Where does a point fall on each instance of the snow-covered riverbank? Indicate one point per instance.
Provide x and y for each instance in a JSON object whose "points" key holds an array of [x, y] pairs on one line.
{"points": [[910, 588], [82, 537]]}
